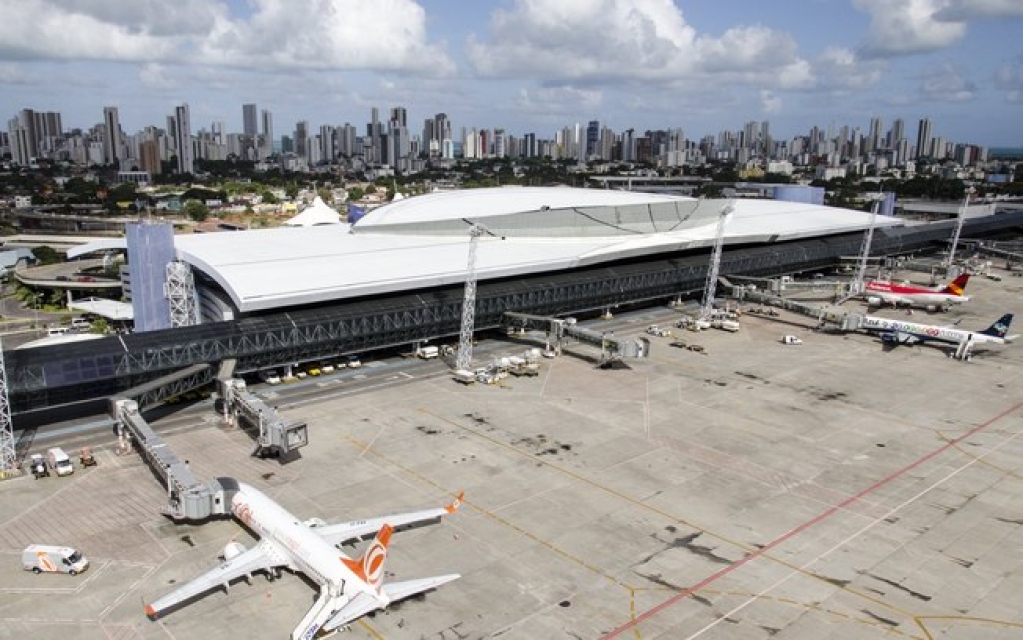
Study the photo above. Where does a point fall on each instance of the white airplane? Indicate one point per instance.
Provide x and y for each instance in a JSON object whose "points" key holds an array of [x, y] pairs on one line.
{"points": [[349, 588], [878, 292], [896, 332]]}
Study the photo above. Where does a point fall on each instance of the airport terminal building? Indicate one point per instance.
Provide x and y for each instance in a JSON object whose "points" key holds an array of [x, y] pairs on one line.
{"points": [[298, 293]]}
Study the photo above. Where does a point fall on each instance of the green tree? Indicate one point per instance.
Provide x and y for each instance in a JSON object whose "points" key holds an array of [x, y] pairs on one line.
{"points": [[355, 194], [196, 210], [46, 255], [269, 198]]}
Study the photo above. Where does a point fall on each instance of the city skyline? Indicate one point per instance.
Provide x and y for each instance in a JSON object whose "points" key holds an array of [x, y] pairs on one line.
{"points": [[526, 66]]}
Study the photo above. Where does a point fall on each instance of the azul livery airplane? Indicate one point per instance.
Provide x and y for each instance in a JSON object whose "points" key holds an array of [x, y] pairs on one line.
{"points": [[896, 332], [878, 292], [349, 588]]}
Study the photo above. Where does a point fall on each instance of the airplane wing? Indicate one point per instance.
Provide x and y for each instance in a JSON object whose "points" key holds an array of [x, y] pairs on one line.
{"points": [[358, 530], [242, 565], [363, 603]]}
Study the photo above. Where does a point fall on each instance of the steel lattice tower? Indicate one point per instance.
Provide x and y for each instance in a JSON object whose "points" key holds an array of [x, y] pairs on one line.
{"points": [[959, 227], [715, 263], [8, 455], [464, 357], [868, 239], [180, 291]]}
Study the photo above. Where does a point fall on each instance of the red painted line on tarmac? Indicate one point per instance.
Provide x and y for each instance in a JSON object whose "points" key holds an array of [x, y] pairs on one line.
{"points": [[830, 511]]}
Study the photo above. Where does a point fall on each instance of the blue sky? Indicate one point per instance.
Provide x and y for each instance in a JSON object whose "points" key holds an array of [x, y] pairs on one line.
{"points": [[525, 65]]}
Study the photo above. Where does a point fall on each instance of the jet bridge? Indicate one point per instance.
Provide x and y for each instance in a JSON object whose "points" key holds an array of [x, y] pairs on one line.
{"points": [[824, 315], [277, 436], [611, 348], [188, 499]]}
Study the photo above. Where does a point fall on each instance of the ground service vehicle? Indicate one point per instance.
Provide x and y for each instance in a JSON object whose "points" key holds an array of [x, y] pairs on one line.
{"points": [[38, 466], [60, 461], [38, 558], [85, 457], [429, 352]]}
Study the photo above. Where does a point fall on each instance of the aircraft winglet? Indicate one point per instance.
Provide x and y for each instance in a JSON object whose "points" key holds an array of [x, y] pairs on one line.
{"points": [[150, 612], [453, 507]]}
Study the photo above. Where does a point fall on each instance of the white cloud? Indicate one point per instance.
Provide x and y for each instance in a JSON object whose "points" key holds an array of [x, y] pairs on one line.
{"points": [[769, 102], [559, 100], [12, 74], [582, 42], [155, 76], [384, 35], [841, 71], [1009, 78], [947, 84], [970, 9], [899, 27]]}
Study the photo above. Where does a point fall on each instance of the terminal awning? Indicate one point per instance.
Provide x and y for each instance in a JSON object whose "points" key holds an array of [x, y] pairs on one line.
{"points": [[109, 309]]}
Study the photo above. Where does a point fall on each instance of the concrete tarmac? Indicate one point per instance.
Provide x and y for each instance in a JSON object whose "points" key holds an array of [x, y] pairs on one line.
{"points": [[755, 490]]}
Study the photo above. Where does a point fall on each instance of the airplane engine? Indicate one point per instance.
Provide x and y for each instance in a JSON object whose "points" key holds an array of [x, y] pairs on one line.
{"points": [[874, 301], [232, 550]]}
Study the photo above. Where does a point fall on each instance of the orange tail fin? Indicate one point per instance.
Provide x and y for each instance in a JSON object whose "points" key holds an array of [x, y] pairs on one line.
{"points": [[370, 567]]}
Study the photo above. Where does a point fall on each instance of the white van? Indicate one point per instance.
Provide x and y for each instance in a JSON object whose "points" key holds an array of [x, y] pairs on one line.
{"points": [[60, 462], [81, 324], [57, 331], [53, 559], [429, 352]]}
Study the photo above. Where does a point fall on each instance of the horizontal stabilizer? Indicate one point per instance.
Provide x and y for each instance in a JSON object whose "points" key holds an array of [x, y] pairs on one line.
{"points": [[400, 590], [360, 604], [364, 603]]}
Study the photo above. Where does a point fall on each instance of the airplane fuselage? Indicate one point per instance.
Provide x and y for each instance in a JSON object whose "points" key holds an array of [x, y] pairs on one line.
{"points": [[899, 294], [927, 332], [306, 550]]}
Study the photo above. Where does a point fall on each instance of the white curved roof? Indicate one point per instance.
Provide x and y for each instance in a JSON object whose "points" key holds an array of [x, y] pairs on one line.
{"points": [[483, 203], [422, 241]]}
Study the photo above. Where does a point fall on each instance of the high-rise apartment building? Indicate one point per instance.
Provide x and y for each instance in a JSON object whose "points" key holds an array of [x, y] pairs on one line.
{"points": [[249, 120], [301, 140], [268, 133], [592, 139], [183, 139], [923, 138], [111, 136], [873, 142]]}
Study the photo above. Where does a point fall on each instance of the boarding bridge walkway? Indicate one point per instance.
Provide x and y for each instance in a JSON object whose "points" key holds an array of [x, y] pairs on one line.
{"points": [[611, 348], [277, 436], [188, 498]]}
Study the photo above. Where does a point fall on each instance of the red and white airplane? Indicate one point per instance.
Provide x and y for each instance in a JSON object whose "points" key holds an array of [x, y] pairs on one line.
{"points": [[349, 588], [880, 292]]}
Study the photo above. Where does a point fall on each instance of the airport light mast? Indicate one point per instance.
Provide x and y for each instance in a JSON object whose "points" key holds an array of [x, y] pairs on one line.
{"points": [[857, 285], [959, 227], [715, 263], [464, 357], [8, 455]]}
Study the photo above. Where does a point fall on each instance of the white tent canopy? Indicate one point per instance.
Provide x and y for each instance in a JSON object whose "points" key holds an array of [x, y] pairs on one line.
{"points": [[109, 309], [318, 213]]}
